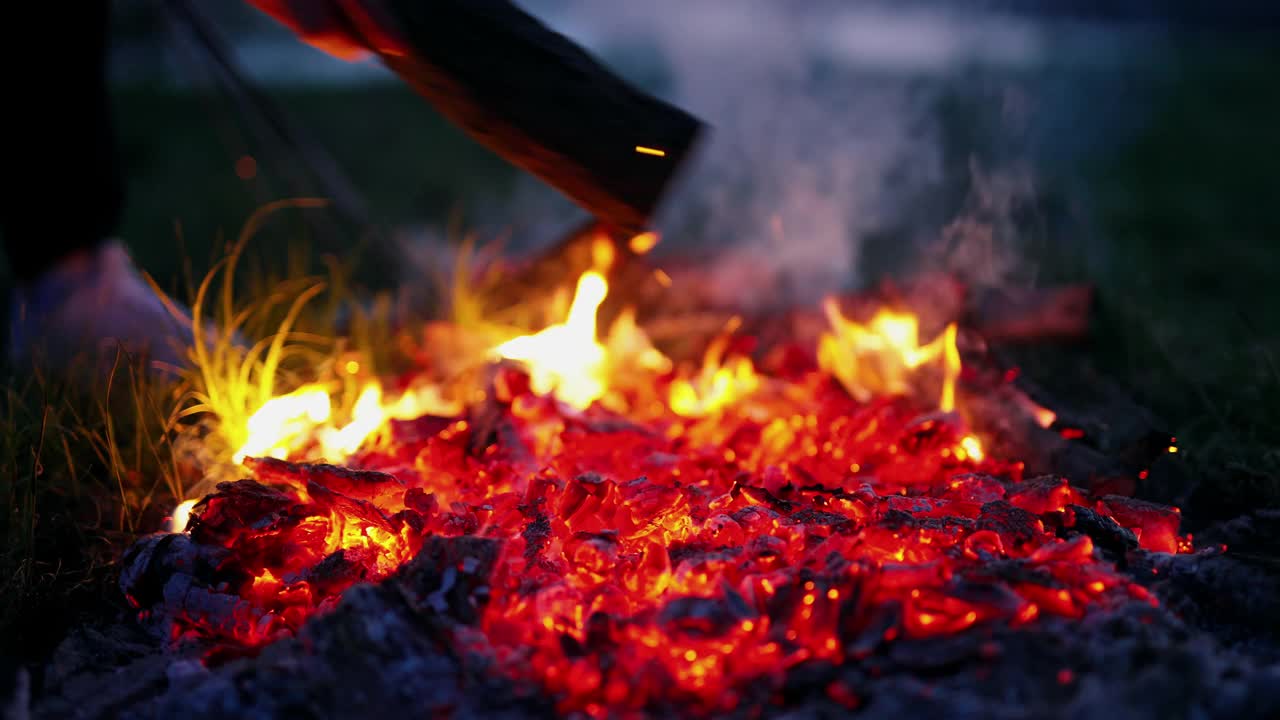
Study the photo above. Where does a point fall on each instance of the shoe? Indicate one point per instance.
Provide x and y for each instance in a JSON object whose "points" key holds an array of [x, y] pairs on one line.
{"points": [[95, 303]]}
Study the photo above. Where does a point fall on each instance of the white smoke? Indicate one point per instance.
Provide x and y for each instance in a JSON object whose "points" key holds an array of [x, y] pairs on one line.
{"points": [[851, 138], [819, 137]]}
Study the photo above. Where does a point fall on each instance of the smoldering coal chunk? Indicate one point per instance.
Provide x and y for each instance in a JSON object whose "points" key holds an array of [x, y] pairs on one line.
{"points": [[337, 478], [327, 499], [371, 656], [1014, 571], [149, 563], [336, 571], [1044, 494], [1133, 662], [85, 667], [899, 520], [537, 535], [421, 501], [449, 576], [836, 522], [237, 507], [1233, 595], [985, 594], [1255, 534], [929, 656], [1105, 532], [700, 616], [383, 649], [1009, 522], [1156, 526], [171, 577]]}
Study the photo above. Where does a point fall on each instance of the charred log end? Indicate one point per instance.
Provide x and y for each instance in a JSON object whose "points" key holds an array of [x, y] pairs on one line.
{"points": [[545, 105]]}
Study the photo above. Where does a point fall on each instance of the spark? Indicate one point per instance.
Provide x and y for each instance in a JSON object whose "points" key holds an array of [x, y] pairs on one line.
{"points": [[650, 151], [644, 242]]}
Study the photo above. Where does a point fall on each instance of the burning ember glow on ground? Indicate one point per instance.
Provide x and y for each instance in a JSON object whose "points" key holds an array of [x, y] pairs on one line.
{"points": [[668, 534]]}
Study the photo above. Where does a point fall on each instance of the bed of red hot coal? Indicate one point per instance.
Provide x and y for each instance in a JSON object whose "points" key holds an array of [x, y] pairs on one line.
{"points": [[667, 562]]}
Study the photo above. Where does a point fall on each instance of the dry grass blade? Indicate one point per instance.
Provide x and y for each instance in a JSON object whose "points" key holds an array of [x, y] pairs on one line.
{"points": [[228, 380]]}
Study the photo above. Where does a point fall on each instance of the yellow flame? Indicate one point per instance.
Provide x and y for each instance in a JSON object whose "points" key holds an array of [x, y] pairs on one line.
{"points": [[971, 448], [181, 515], [950, 369], [565, 358], [629, 349], [422, 400], [366, 417], [288, 422], [718, 385], [879, 358], [283, 422]]}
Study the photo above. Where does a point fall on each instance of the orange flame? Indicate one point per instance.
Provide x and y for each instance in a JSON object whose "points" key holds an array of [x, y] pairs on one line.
{"points": [[718, 385], [880, 357]]}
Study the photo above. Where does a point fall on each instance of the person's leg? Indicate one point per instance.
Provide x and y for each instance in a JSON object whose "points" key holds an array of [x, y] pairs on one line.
{"points": [[67, 189], [77, 292]]}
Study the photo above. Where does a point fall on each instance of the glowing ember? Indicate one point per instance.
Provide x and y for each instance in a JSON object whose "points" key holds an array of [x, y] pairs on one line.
{"points": [[665, 539], [1043, 416]]}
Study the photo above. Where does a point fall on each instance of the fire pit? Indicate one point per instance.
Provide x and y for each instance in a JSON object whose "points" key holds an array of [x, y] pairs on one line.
{"points": [[869, 512]]}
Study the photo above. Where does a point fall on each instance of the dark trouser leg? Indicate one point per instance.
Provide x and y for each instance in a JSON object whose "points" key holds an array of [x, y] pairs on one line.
{"points": [[65, 190]]}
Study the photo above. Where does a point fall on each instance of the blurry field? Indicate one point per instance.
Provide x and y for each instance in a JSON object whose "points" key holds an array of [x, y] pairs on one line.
{"points": [[1187, 213], [1191, 298], [181, 151]]}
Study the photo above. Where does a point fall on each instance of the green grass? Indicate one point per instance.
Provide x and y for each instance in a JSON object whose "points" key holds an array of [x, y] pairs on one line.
{"points": [[1190, 303], [81, 473], [180, 151]]}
